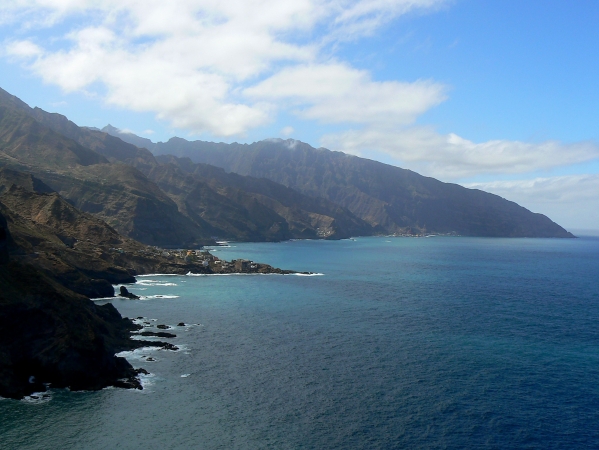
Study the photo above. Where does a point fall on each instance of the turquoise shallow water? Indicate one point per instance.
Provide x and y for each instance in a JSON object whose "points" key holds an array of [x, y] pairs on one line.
{"points": [[402, 343]]}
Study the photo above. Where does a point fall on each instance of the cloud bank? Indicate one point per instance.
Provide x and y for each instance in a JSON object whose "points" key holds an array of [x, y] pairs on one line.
{"points": [[452, 157], [572, 200], [189, 61]]}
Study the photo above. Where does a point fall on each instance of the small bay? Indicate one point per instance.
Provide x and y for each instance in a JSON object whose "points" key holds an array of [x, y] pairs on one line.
{"points": [[440, 342]]}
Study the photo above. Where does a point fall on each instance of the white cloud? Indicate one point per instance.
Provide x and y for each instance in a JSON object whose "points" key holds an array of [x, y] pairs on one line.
{"points": [[22, 49], [364, 17], [571, 201], [188, 60], [452, 157], [337, 93], [287, 131]]}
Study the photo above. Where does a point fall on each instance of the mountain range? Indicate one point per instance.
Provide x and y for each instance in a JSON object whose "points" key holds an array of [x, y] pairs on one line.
{"points": [[389, 199], [184, 193]]}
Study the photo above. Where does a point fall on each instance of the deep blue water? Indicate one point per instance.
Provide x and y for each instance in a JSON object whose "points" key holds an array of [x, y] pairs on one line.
{"points": [[402, 343]]}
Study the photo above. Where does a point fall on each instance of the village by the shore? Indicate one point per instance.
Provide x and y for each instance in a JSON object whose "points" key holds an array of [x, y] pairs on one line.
{"points": [[201, 261]]}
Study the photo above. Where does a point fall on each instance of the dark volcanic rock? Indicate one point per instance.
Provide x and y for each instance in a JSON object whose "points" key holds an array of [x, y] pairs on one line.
{"points": [[124, 292], [56, 336], [161, 334], [162, 327], [50, 334], [5, 242], [168, 346]]}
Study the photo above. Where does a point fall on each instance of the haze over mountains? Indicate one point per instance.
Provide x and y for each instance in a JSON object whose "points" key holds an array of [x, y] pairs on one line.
{"points": [[191, 193]]}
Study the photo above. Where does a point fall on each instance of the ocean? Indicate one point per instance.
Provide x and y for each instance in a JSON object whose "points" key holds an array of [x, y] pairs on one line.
{"points": [[439, 342]]}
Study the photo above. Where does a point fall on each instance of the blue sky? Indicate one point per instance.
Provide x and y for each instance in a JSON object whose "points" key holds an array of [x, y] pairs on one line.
{"points": [[498, 95]]}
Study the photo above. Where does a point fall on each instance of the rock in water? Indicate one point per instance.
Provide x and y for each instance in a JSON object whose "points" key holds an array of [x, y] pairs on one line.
{"points": [[161, 334], [125, 293]]}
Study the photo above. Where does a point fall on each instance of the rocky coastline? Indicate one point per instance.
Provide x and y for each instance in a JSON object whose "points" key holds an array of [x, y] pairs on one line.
{"points": [[52, 334]]}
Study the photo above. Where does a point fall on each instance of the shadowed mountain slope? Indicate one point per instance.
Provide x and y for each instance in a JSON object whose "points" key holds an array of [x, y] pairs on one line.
{"points": [[117, 193], [310, 192], [183, 208], [296, 215], [387, 197], [76, 249], [112, 148], [24, 140]]}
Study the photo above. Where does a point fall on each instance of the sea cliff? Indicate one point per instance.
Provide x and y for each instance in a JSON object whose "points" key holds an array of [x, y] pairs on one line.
{"points": [[51, 334]]}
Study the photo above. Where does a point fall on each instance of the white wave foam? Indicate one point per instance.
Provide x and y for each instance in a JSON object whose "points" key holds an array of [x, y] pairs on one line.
{"points": [[150, 297], [38, 397], [185, 375], [146, 381], [136, 354], [154, 283], [159, 275], [138, 337], [189, 274]]}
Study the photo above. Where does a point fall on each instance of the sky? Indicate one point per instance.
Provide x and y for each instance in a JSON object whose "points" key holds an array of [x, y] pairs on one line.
{"points": [[499, 95]]}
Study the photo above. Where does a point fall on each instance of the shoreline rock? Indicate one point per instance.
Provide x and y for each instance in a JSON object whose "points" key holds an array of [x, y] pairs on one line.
{"points": [[124, 292], [160, 334], [51, 333]]}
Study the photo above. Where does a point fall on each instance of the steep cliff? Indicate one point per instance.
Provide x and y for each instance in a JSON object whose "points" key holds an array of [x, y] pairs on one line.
{"points": [[162, 204], [387, 197], [49, 334], [74, 248]]}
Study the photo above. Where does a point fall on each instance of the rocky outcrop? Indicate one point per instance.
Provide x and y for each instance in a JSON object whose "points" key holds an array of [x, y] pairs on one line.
{"points": [[74, 248], [50, 254], [160, 334], [124, 292], [49, 334]]}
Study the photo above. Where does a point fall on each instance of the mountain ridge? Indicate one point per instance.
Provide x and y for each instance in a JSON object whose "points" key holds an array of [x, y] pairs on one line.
{"points": [[396, 200], [120, 188], [269, 190]]}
